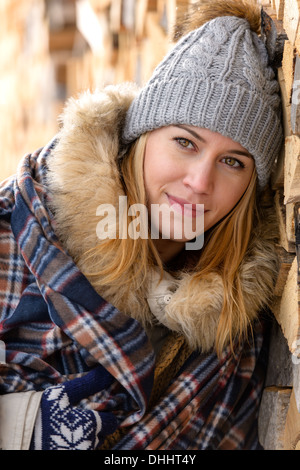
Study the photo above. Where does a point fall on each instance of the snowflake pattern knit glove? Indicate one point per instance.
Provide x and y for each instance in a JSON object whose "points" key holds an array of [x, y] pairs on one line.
{"points": [[62, 426]]}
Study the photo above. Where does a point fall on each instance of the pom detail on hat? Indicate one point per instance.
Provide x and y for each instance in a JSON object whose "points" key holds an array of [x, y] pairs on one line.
{"points": [[206, 10]]}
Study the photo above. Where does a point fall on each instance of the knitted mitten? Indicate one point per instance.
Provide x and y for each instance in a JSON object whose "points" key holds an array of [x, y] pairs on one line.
{"points": [[61, 425]]}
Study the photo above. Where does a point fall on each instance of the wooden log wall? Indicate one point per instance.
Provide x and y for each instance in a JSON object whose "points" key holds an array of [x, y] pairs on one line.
{"points": [[64, 47], [280, 411], [26, 81], [135, 35]]}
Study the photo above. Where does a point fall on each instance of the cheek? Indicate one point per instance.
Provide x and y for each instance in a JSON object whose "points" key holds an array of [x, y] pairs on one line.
{"points": [[231, 194], [159, 169], [150, 174]]}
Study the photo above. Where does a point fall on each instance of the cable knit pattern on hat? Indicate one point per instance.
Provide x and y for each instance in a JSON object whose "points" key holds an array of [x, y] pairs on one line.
{"points": [[216, 77]]}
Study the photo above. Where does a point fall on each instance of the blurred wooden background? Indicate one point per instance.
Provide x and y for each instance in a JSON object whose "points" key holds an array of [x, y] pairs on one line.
{"points": [[52, 49]]}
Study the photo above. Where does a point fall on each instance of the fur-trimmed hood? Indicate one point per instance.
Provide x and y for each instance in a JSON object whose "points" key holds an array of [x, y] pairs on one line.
{"points": [[83, 173]]}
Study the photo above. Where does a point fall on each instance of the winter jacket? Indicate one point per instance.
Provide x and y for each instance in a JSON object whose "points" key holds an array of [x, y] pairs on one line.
{"points": [[57, 323]]}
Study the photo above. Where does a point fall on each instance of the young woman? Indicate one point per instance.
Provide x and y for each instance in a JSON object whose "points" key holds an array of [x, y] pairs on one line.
{"points": [[128, 328]]}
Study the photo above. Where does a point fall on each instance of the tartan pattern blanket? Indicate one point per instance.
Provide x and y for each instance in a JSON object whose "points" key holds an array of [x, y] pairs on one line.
{"points": [[56, 327]]}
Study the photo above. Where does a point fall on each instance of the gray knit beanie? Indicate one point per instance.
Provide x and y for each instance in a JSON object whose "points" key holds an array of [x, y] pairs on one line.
{"points": [[216, 77]]}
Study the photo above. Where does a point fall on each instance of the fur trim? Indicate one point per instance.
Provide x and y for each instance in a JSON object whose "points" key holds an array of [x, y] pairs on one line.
{"points": [[83, 173], [258, 273], [206, 10]]}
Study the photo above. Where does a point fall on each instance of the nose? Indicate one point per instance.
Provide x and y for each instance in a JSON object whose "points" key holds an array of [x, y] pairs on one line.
{"points": [[200, 176]]}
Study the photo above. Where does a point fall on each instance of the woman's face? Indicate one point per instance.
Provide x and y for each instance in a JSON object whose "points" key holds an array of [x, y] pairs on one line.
{"points": [[191, 165]]}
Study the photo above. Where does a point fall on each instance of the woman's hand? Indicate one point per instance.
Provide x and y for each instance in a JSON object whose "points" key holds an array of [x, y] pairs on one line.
{"points": [[60, 425]]}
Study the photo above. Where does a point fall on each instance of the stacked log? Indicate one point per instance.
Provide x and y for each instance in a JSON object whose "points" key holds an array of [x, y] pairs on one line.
{"points": [[26, 81], [280, 410]]}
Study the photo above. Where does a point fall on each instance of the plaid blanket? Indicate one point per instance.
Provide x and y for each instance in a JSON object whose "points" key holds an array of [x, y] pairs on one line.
{"points": [[56, 327]]}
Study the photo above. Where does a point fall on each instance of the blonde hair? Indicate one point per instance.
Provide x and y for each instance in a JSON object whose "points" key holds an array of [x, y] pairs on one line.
{"points": [[126, 257], [231, 237], [132, 258]]}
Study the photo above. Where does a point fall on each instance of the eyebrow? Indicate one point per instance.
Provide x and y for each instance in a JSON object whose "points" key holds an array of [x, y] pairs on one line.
{"points": [[197, 136]]}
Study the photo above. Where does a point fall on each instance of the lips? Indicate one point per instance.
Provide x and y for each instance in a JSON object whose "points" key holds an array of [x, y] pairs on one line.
{"points": [[183, 206]]}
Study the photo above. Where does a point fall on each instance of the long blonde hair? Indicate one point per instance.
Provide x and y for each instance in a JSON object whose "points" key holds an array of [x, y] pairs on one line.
{"points": [[231, 237], [223, 251]]}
